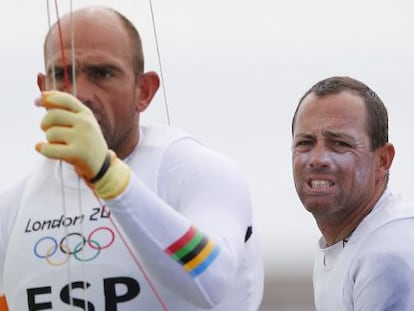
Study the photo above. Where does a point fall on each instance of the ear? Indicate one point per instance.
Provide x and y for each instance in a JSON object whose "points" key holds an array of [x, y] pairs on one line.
{"points": [[41, 81], [386, 155], [148, 85]]}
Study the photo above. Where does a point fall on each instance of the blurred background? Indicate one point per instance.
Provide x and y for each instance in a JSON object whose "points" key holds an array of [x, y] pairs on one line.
{"points": [[234, 71]]}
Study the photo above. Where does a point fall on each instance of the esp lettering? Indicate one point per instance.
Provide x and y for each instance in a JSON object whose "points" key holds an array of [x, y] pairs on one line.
{"points": [[37, 299]]}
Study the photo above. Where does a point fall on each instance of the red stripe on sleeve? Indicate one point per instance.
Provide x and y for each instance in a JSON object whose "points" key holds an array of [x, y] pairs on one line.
{"points": [[182, 241]]}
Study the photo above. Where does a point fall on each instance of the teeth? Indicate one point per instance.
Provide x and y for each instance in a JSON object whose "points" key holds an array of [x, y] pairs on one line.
{"points": [[320, 184]]}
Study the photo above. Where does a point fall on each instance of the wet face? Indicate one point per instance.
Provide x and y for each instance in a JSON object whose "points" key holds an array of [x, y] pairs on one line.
{"points": [[105, 80], [334, 169]]}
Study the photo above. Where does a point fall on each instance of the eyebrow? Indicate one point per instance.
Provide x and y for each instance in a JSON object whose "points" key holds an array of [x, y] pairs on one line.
{"points": [[87, 68], [326, 133], [303, 135], [334, 134]]}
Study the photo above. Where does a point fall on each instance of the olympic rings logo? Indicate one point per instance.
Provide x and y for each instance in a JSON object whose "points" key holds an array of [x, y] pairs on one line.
{"points": [[74, 244]]}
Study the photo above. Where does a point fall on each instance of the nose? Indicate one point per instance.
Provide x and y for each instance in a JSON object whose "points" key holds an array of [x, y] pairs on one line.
{"points": [[320, 156]]}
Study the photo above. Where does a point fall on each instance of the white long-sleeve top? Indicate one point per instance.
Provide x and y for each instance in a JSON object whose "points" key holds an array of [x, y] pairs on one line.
{"points": [[373, 269], [178, 238]]}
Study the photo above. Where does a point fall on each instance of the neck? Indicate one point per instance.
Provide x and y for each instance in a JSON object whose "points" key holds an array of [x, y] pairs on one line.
{"points": [[336, 228], [124, 149]]}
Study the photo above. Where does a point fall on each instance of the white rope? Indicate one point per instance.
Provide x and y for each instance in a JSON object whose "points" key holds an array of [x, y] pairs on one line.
{"points": [[164, 92]]}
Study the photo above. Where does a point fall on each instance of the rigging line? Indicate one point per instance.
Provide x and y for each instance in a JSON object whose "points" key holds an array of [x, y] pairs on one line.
{"points": [[67, 86], [82, 231], [62, 51], [49, 22], [62, 182], [66, 230], [164, 92], [132, 254], [74, 92], [72, 50]]}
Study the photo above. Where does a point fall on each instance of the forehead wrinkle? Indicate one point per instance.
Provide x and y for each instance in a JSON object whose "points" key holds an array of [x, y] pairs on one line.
{"points": [[336, 134], [89, 59]]}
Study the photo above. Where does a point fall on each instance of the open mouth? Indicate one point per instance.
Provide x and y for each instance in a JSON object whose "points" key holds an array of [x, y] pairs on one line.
{"points": [[320, 184]]}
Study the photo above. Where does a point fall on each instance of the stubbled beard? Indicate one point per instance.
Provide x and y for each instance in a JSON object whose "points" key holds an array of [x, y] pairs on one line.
{"points": [[116, 138]]}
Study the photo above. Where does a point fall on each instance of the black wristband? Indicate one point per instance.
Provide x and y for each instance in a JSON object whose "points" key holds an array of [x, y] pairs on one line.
{"points": [[103, 169]]}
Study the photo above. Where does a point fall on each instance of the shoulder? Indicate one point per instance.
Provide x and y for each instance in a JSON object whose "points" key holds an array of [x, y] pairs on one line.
{"points": [[394, 235], [9, 201], [12, 195], [384, 240], [389, 225], [382, 270], [9, 207], [192, 172], [388, 249], [391, 219], [191, 154], [176, 146], [154, 134]]}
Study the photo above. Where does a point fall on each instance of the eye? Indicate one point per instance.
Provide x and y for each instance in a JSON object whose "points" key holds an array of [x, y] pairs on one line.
{"points": [[59, 74], [341, 146], [339, 143], [57, 79], [100, 73], [303, 145]]}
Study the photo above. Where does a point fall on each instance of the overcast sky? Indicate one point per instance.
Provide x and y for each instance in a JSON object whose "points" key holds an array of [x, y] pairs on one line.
{"points": [[234, 71]]}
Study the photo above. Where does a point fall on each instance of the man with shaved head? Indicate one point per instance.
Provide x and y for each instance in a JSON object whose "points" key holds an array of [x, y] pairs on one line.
{"points": [[118, 215]]}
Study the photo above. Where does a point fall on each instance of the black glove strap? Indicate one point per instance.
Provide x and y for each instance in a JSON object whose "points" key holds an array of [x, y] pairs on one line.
{"points": [[104, 168]]}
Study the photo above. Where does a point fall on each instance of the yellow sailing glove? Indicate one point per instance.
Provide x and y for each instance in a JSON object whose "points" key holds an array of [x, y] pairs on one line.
{"points": [[74, 136], [114, 181]]}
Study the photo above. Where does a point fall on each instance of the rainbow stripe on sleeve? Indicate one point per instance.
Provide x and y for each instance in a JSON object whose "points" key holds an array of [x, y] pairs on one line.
{"points": [[194, 251]]}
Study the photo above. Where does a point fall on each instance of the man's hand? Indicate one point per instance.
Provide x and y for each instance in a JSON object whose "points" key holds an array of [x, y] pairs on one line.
{"points": [[73, 134]]}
